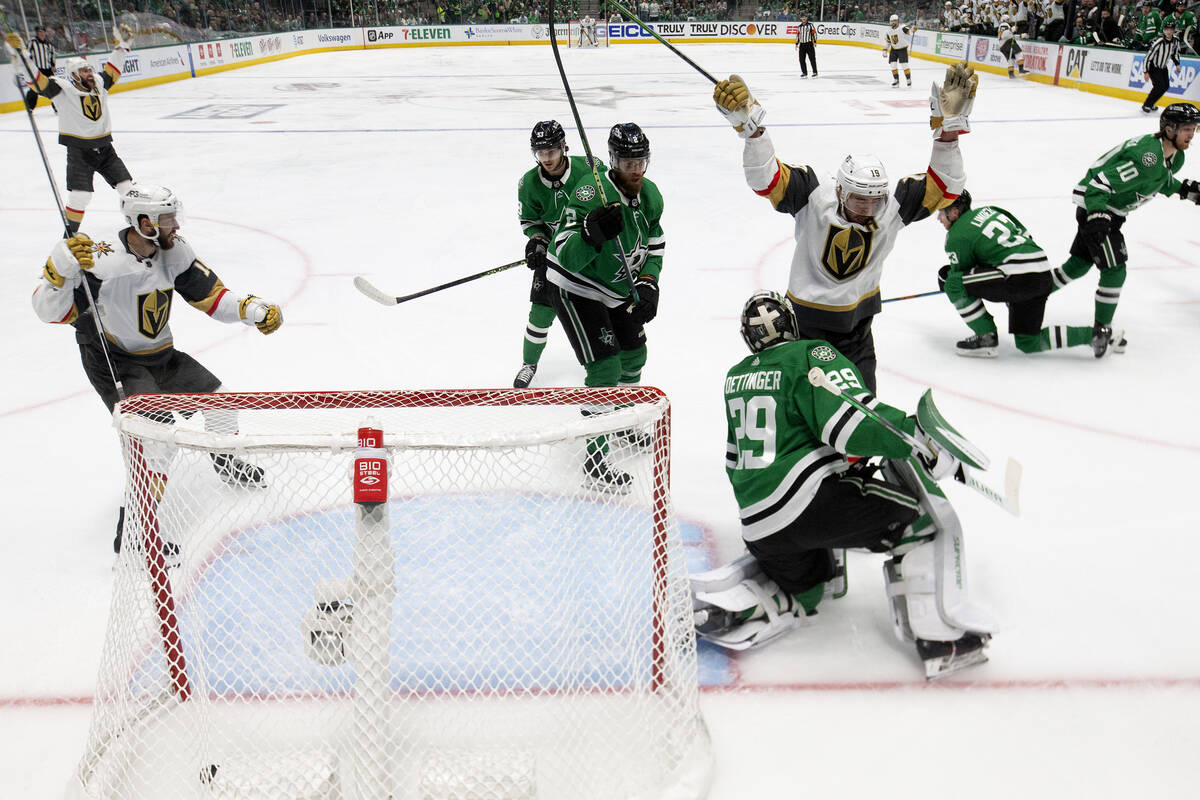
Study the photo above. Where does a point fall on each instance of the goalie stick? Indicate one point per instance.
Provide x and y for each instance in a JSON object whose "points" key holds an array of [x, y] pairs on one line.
{"points": [[587, 150], [383, 298], [1008, 498], [62, 214]]}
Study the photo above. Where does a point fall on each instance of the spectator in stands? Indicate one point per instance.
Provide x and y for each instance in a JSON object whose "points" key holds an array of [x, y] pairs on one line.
{"points": [[1107, 31]]}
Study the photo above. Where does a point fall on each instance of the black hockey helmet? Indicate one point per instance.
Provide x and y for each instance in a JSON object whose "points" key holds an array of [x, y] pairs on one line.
{"points": [[546, 135], [1178, 114], [767, 320], [961, 204], [626, 140]]}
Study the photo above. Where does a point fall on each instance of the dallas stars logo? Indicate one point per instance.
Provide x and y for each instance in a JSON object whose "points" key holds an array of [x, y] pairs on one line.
{"points": [[585, 193], [636, 256], [607, 337], [823, 353], [1149, 159]]}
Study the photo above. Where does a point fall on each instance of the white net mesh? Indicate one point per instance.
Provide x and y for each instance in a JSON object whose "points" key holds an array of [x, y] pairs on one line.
{"points": [[513, 623]]}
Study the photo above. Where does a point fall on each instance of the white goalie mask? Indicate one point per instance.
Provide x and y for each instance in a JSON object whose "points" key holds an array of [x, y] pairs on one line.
{"points": [[862, 185], [153, 202]]}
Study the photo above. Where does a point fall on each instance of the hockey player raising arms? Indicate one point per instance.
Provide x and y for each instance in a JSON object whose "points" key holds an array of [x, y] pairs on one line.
{"points": [[133, 278], [542, 194], [786, 461], [85, 126], [1122, 180], [845, 230]]}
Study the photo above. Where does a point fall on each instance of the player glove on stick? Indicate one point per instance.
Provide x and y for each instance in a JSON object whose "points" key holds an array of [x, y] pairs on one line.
{"points": [[951, 104], [738, 106], [646, 308], [1095, 234], [602, 224], [81, 247], [1190, 190], [14, 41], [535, 253], [124, 36], [265, 316], [950, 281]]}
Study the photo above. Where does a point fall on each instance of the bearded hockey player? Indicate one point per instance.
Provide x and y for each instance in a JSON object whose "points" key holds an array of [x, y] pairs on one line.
{"points": [[786, 459], [133, 278], [896, 40], [85, 126], [591, 291], [542, 194], [1121, 181], [993, 257], [844, 230]]}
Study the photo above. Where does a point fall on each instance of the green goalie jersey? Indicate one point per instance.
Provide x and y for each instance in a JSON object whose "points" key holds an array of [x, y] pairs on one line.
{"points": [[576, 266], [785, 436], [989, 236], [1128, 176], [540, 200]]}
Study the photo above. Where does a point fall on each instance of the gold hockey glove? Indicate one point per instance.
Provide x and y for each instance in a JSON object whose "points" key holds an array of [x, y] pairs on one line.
{"points": [[267, 317], [950, 105], [123, 35], [738, 106], [80, 246], [14, 41]]}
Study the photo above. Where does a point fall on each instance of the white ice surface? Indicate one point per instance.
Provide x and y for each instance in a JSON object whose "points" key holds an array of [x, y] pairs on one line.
{"points": [[402, 165]]}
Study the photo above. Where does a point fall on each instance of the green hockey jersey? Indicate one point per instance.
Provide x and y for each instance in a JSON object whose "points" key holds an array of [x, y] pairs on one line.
{"points": [[785, 435], [576, 266], [989, 236], [1128, 176], [540, 200]]}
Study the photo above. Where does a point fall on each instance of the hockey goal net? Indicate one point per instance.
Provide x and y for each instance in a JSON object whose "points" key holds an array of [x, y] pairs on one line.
{"points": [[583, 34], [408, 595]]}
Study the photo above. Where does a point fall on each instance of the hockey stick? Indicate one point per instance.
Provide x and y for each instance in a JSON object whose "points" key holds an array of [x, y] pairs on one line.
{"points": [[58, 204], [911, 296], [383, 298], [633, 294], [663, 41], [1008, 499]]}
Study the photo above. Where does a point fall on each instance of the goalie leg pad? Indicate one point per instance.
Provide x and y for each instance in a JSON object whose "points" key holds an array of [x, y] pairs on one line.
{"points": [[723, 596]]}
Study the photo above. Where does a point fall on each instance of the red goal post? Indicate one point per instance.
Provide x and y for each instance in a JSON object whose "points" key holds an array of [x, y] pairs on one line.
{"points": [[424, 598]]}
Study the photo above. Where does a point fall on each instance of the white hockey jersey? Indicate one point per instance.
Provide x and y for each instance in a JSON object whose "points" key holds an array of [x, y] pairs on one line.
{"points": [[836, 267], [134, 295], [83, 118], [897, 38]]}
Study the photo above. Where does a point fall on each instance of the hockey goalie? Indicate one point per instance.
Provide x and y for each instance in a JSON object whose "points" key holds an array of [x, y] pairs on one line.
{"points": [[798, 415]]}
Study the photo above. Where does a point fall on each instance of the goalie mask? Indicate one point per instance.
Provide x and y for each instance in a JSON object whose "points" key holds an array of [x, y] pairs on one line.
{"points": [[158, 204], [862, 186], [768, 320]]}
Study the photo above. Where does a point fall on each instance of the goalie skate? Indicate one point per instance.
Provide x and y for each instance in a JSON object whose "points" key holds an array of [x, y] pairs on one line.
{"points": [[236, 472], [946, 658]]}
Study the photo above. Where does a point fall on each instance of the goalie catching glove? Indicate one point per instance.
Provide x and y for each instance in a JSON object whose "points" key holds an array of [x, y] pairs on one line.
{"points": [[950, 104], [258, 312], [738, 106]]}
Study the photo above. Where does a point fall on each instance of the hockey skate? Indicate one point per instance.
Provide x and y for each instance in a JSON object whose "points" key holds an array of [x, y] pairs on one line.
{"points": [[1104, 339], [634, 439], [946, 658], [170, 550], [236, 472], [524, 376], [908, 80], [983, 345], [603, 477], [896, 81]]}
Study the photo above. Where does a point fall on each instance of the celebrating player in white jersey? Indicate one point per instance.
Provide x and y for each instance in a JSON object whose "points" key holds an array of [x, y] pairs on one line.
{"points": [[85, 126], [845, 230], [895, 48], [133, 278]]}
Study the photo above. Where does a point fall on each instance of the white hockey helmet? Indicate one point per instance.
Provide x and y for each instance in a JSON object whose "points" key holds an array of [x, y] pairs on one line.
{"points": [[864, 176], [73, 66], [894, 18], [153, 202]]}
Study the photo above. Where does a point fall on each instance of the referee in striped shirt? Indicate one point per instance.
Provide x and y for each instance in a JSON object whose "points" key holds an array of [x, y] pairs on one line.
{"points": [[806, 40], [1164, 49], [42, 53]]}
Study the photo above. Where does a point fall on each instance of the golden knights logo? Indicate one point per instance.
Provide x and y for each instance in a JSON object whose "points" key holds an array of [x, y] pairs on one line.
{"points": [[102, 248], [154, 309], [846, 251], [91, 106]]}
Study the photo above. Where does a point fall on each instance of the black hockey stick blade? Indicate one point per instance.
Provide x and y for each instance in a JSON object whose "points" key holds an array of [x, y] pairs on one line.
{"points": [[379, 296]]}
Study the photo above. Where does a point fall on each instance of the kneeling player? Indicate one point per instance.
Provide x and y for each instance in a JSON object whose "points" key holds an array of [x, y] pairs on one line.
{"points": [[993, 257], [132, 280], [800, 501]]}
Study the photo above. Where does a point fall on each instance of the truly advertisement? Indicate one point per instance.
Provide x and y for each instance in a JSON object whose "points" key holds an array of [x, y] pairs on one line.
{"points": [[698, 30]]}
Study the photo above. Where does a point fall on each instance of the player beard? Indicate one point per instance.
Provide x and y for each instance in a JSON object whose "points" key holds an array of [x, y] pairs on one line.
{"points": [[166, 242]]}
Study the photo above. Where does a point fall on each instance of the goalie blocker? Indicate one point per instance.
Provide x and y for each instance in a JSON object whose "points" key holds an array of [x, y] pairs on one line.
{"points": [[802, 502]]}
